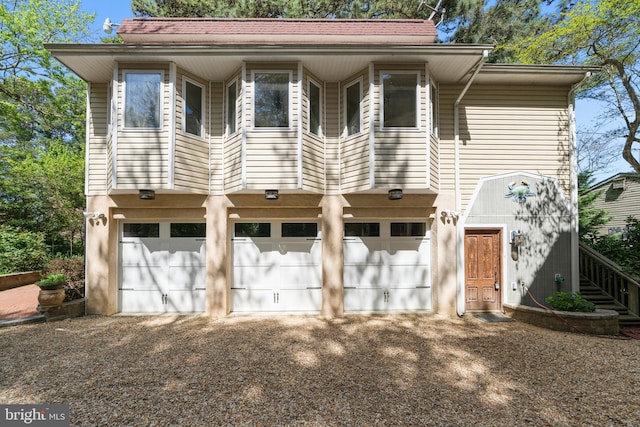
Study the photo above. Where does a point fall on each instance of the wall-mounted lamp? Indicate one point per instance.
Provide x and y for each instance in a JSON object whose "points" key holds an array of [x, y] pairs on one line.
{"points": [[449, 214], [271, 194], [93, 215], [146, 194], [516, 238], [107, 26], [395, 194]]}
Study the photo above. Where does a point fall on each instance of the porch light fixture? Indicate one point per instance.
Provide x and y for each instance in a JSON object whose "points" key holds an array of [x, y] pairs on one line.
{"points": [[107, 26], [147, 194], [395, 194], [271, 194], [516, 238]]}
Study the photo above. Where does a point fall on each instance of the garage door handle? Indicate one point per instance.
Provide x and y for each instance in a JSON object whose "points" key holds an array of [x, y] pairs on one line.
{"points": [[201, 289]]}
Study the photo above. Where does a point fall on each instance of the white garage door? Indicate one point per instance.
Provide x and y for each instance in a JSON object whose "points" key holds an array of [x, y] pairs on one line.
{"points": [[162, 267], [277, 266], [386, 266]]}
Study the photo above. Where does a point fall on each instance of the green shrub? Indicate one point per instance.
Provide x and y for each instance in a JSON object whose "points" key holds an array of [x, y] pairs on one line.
{"points": [[570, 301], [53, 280], [73, 268], [21, 250]]}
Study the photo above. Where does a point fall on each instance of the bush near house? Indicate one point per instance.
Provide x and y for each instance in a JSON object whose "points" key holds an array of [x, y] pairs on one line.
{"points": [[570, 301], [73, 268], [21, 250]]}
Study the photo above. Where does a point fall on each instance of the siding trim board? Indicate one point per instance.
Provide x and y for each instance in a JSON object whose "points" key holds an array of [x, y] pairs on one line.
{"points": [[171, 128], [115, 127], [299, 83], [372, 128]]}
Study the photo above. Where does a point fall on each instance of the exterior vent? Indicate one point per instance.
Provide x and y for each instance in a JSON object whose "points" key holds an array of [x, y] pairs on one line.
{"points": [[619, 184]]}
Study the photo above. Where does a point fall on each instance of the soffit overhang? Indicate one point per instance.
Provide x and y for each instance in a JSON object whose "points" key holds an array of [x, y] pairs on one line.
{"points": [[447, 64]]}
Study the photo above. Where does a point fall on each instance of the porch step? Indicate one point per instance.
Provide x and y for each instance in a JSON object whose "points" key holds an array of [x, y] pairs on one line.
{"points": [[604, 301]]}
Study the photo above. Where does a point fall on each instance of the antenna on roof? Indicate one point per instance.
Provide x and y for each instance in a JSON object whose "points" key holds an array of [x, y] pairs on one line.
{"points": [[434, 10], [108, 26]]}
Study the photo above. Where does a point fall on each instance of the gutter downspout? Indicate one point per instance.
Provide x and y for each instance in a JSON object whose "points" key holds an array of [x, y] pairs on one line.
{"points": [[573, 159], [458, 193]]}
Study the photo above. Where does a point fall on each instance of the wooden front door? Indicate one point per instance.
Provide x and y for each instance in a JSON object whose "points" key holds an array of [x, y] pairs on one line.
{"points": [[482, 270]]}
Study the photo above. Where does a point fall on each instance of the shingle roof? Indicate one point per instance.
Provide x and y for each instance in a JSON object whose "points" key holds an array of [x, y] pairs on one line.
{"points": [[287, 31]]}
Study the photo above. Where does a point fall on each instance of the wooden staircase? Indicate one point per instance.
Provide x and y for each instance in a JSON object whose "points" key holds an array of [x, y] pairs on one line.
{"points": [[602, 300]]}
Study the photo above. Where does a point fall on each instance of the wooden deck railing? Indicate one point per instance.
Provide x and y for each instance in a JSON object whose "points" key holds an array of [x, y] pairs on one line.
{"points": [[610, 278]]}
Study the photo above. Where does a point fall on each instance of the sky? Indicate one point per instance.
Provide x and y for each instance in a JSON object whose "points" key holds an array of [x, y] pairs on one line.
{"points": [[116, 10]]}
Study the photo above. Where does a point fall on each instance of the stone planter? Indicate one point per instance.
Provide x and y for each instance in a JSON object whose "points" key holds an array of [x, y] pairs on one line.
{"points": [[52, 297], [599, 322]]}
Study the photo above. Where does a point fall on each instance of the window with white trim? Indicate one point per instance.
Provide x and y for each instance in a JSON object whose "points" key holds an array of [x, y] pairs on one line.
{"points": [[232, 107], [143, 99], [353, 108], [399, 92], [271, 99], [433, 108], [192, 108], [315, 109]]}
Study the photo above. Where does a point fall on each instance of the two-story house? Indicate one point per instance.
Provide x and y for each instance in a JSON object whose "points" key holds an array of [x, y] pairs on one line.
{"points": [[619, 196], [321, 166]]}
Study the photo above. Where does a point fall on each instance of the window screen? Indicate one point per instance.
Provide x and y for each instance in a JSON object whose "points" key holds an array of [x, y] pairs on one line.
{"points": [[299, 229], [188, 229], [408, 229], [252, 229], [362, 229], [141, 229]]}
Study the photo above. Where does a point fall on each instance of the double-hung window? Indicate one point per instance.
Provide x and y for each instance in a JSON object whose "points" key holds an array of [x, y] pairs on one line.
{"points": [[192, 108], [399, 106], [232, 108], [353, 108], [315, 112], [271, 101], [143, 99]]}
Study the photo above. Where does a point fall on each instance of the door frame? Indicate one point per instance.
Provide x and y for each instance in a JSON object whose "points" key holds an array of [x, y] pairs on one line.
{"points": [[501, 229]]}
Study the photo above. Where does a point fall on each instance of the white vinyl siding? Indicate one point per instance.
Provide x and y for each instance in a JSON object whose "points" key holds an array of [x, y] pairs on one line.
{"points": [[402, 154], [191, 170], [272, 153], [355, 149], [232, 150], [332, 138], [503, 129], [312, 144], [97, 130], [143, 154]]}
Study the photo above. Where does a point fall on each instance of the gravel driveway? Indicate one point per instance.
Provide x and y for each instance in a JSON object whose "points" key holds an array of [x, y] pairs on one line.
{"points": [[355, 371]]}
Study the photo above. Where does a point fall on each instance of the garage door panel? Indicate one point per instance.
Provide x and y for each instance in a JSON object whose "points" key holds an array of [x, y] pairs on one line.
{"points": [[398, 276], [256, 277], [300, 276], [247, 300], [362, 276], [299, 300], [280, 270], [187, 252], [146, 252], [363, 251], [153, 269], [185, 301], [140, 278], [364, 299], [136, 301], [184, 279], [250, 252], [409, 299]]}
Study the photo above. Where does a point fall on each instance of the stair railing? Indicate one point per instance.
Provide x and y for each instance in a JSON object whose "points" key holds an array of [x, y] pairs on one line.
{"points": [[609, 276]]}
